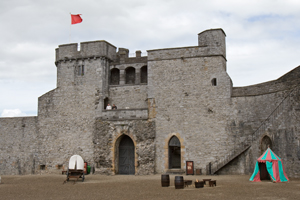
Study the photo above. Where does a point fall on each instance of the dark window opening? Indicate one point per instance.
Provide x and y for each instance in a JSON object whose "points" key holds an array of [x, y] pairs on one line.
{"points": [[214, 82], [130, 75], [42, 167], [115, 76], [80, 70], [105, 102], [144, 74], [59, 166]]}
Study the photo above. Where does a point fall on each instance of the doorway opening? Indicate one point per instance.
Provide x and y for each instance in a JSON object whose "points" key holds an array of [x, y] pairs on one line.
{"points": [[174, 153], [264, 174], [126, 156]]}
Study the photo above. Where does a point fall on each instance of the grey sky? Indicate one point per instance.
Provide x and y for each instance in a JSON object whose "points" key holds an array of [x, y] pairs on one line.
{"points": [[262, 37]]}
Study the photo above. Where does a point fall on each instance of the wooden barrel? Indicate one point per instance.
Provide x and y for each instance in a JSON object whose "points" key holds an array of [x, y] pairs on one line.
{"points": [[165, 180], [179, 182], [199, 184]]}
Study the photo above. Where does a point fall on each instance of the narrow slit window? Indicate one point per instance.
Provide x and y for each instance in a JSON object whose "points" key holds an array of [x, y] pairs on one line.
{"points": [[214, 82], [80, 70]]}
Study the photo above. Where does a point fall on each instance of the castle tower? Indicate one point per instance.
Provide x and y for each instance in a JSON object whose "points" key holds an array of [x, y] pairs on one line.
{"points": [[66, 115]]}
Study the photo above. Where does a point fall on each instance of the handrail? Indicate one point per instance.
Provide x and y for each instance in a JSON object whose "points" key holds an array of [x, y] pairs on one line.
{"points": [[218, 164], [275, 111]]}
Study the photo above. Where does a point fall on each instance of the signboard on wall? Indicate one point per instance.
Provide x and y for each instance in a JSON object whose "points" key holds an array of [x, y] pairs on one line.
{"points": [[189, 167]]}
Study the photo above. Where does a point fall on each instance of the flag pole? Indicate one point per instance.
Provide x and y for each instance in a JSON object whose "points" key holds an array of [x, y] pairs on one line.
{"points": [[70, 29]]}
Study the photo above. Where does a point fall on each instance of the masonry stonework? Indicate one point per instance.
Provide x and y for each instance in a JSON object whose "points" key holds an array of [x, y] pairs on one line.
{"points": [[174, 105]]}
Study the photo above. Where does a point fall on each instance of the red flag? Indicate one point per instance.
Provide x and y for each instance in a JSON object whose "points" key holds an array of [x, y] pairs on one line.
{"points": [[75, 19]]}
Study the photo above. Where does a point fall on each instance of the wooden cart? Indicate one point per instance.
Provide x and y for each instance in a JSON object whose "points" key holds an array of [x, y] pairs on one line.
{"points": [[75, 169]]}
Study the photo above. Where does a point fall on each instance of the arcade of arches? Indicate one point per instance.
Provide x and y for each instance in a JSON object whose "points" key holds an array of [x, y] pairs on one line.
{"points": [[130, 76]]}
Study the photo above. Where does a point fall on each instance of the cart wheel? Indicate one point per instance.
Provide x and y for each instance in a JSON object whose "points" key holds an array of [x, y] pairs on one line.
{"points": [[82, 177]]}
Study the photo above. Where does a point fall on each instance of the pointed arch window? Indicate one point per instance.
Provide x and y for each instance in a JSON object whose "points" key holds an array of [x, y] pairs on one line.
{"points": [[174, 153]]}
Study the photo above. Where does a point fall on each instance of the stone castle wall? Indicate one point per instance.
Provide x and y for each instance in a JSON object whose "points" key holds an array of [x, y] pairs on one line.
{"points": [[108, 134], [67, 114], [254, 104], [188, 105], [188, 94], [132, 97], [19, 151]]}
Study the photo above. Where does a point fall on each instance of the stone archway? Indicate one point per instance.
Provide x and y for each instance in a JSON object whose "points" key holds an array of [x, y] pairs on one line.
{"points": [[126, 158], [174, 153], [265, 143]]}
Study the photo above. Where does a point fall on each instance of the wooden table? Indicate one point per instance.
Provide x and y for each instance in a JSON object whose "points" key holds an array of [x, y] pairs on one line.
{"points": [[204, 180]]}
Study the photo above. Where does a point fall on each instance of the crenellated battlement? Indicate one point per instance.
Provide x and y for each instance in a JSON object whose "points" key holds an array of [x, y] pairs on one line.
{"points": [[210, 43], [92, 49]]}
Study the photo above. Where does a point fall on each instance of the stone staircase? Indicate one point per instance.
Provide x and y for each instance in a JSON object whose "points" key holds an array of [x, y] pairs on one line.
{"points": [[214, 167]]}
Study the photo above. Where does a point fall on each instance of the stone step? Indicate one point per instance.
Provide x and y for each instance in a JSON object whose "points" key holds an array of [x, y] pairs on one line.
{"points": [[175, 171]]}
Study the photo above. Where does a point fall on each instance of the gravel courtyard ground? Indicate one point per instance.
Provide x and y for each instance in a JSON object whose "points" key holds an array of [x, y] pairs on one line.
{"points": [[142, 187]]}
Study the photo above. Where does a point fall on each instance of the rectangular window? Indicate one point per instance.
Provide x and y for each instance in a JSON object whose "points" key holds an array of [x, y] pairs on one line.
{"points": [[80, 70], [42, 167]]}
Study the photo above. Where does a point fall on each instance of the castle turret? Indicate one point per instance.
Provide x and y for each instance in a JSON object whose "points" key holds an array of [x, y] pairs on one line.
{"points": [[214, 40]]}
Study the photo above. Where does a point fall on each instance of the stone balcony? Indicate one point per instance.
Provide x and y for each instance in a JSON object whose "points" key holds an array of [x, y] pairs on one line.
{"points": [[125, 114]]}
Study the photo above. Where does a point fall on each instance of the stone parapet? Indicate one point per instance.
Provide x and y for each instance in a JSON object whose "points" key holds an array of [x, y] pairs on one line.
{"points": [[125, 114], [92, 49], [185, 52], [285, 82], [210, 43]]}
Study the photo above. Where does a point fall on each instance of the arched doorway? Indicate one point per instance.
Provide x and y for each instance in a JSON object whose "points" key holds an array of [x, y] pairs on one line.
{"points": [[126, 156], [265, 143], [105, 102], [174, 153]]}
